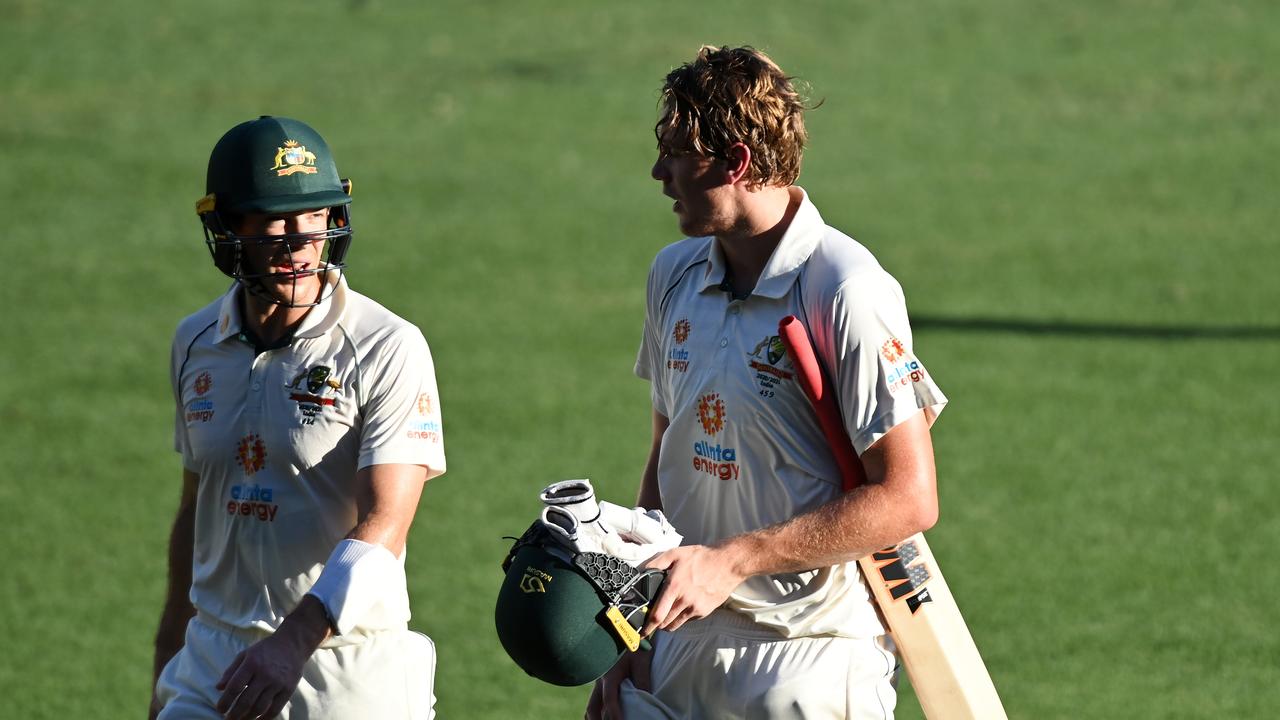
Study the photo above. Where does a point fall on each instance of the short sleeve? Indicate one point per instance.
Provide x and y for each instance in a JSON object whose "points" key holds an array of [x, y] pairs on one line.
{"points": [[649, 356], [881, 381], [181, 443], [402, 419]]}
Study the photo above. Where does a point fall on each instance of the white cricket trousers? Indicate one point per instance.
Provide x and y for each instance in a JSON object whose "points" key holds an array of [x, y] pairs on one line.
{"points": [[388, 674], [727, 668]]}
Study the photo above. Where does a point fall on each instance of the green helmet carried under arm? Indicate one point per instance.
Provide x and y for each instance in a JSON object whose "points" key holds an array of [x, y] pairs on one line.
{"points": [[566, 617]]}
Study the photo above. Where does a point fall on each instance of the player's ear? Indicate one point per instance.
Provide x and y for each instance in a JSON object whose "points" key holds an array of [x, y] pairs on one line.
{"points": [[737, 161]]}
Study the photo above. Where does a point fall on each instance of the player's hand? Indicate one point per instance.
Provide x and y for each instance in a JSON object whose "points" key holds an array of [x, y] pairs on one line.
{"points": [[261, 679], [699, 580], [604, 703]]}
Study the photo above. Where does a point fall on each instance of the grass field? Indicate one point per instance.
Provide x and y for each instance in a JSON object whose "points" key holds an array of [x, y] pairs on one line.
{"points": [[1074, 197]]}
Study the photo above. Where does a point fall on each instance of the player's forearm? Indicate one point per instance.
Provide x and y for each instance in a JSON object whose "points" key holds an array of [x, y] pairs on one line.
{"points": [[898, 500], [178, 610], [378, 529], [368, 562], [649, 496], [845, 529]]}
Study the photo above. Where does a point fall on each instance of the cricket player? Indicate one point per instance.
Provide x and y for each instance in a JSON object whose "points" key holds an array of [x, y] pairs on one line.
{"points": [[308, 421], [764, 613]]}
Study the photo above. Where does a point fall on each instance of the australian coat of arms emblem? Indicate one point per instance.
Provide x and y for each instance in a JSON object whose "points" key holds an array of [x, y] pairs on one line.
{"points": [[294, 158]]}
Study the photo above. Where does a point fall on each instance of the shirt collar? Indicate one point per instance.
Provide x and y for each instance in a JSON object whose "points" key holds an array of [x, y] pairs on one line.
{"points": [[318, 321], [780, 272]]}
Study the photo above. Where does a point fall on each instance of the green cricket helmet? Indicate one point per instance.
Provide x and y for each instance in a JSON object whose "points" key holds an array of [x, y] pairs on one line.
{"points": [[566, 617], [273, 165]]}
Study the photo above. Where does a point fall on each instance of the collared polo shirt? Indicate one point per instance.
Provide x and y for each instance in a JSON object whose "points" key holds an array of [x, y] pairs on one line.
{"points": [[744, 449], [277, 437]]}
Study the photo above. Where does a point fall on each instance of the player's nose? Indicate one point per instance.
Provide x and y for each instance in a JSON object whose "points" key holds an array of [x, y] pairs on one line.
{"points": [[659, 170]]}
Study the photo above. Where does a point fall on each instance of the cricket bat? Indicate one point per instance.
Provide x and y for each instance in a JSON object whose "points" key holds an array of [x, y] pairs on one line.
{"points": [[948, 675]]}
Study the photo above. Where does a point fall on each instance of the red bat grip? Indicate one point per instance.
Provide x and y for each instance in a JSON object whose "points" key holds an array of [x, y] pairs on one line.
{"points": [[818, 388]]}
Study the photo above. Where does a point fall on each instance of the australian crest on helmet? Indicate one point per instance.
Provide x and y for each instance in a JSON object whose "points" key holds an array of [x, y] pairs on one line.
{"points": [[294, 158]]}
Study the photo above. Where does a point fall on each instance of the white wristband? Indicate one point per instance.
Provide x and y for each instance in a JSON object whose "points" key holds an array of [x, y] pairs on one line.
{"points": [[355, 577]]}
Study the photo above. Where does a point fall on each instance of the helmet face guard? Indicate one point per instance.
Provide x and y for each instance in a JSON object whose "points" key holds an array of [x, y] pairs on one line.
{"points": [[229, 253], [565, 617], [624, 589]]}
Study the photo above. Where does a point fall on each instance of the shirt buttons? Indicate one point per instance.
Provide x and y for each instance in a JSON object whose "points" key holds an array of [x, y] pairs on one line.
{"points": [[724, 342], [257, 386], [734, 310]]}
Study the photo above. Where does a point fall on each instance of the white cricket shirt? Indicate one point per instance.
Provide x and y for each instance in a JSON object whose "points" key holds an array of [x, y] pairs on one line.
{"points": [[744, 448], [276, 439]]}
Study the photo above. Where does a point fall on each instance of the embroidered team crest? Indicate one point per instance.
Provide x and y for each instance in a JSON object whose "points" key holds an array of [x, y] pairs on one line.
{"points": [[294, 158], [772, 348], [316, 378], [204, 381], [317, 381], [773, 370], [776, 350]]}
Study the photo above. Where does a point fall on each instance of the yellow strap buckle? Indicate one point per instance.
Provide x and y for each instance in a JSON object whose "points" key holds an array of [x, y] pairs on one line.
{"points": [[626, 633]]}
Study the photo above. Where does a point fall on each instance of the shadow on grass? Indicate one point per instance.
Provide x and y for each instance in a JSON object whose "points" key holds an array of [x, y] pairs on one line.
{"points": [[1084, 329]]}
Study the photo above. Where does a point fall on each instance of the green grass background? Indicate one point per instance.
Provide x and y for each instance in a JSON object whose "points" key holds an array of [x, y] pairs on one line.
{"points": [[1079, 199]]}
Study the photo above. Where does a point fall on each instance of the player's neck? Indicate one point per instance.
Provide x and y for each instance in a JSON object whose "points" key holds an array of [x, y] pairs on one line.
{"points": [[764, 217], [268, 322]]}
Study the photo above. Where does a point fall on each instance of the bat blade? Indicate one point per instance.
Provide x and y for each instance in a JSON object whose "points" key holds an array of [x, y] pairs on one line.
{"points": [[947, 672]]}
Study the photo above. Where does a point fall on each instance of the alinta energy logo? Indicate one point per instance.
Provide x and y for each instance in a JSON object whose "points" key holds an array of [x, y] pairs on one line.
{"points": [[714, 460], [904, 369], [893, 350], [681, 331], [425, 426], [201, 408], [678, 357], [252, 501], [711, 413], [251, 453]]}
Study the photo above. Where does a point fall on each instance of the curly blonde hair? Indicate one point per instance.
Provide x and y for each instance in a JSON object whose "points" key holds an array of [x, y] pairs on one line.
{"points": [[735, 95]]}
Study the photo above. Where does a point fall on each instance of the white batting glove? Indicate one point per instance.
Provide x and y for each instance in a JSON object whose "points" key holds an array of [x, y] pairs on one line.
{"points": [[647, 529], [576, 496], [580, 523]]}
